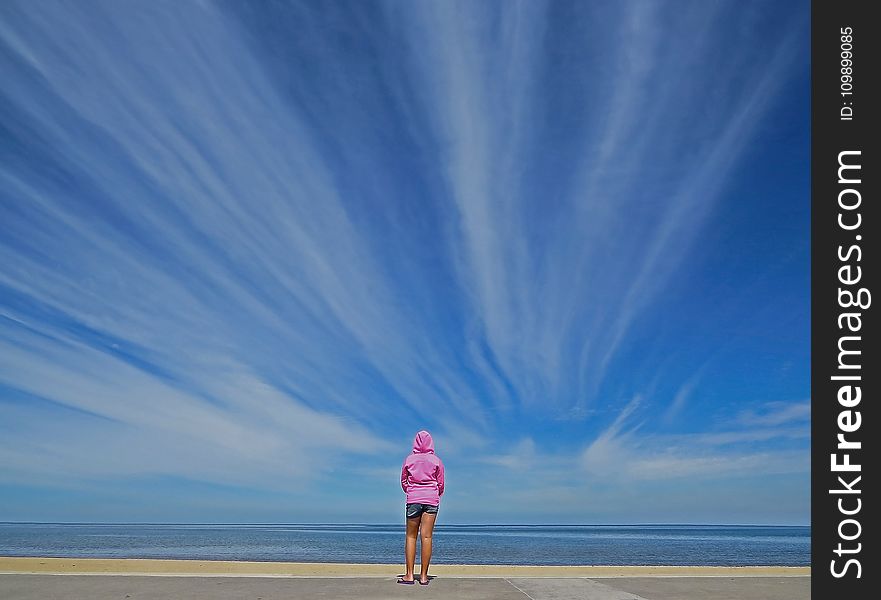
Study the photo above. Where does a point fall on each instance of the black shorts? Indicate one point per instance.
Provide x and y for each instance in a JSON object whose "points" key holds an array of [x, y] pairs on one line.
{"points": [[415, 510]]}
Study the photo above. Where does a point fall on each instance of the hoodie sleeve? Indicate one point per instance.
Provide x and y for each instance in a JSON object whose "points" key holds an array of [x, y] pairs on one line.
{"points": [[440, 478], [404, 477]]}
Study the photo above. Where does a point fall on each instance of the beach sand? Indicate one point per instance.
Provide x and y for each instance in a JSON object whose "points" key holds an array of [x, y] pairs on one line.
{"points": [[120, 566], [100, 579]]}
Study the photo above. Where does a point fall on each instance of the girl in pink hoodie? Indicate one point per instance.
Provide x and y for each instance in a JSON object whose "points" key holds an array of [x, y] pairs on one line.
{"points": [[422, 479]]}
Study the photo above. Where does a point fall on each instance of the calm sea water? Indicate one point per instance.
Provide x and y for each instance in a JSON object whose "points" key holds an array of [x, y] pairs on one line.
{"points": [[473, 544]]}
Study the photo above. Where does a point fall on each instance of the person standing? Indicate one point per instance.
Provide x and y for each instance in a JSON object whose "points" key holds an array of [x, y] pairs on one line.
{"points": [[422, 479]]}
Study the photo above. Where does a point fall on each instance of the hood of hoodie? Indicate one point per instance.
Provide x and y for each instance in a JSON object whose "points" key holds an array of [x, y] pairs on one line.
{"points": [[423, 443]]}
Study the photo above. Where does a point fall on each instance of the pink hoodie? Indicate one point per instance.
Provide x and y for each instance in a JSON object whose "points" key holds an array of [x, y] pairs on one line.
{"points": [[422, 476]]}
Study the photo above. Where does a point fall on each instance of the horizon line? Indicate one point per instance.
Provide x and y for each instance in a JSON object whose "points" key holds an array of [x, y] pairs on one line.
{"points": [[645, 524]]}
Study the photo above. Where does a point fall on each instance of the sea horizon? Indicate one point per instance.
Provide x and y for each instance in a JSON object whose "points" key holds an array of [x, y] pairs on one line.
{"points": [[660, 544], [360, 523]]}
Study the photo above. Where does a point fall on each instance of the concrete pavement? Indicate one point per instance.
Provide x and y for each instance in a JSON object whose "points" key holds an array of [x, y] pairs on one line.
{"points": [[162, 587]]}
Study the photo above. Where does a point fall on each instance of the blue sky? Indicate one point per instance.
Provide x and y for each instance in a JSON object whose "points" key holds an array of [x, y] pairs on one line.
{"points": [[249, 249]]}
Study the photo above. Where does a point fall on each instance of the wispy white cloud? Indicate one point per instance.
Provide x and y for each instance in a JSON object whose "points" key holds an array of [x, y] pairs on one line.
{"points": [[622, 452], [247, 432], [777, 413], [681, 398], [522, 456]]}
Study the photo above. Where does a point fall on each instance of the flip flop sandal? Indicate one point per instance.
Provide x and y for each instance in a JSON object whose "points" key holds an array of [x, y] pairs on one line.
{"points": [[426, 583], [405, 582]]}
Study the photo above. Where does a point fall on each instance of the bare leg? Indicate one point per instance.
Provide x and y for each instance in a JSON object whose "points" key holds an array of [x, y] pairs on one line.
{"points": [[427, 529], [410, 547]]}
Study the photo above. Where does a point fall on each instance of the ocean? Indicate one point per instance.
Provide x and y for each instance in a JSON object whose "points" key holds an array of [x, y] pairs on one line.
{"points": [[721, 545]]}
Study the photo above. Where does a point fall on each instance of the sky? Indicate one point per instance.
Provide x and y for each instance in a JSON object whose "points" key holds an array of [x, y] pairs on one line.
{"points": [[249, 249]]}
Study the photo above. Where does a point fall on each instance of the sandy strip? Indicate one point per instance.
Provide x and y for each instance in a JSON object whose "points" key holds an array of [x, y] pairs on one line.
{"points": [[127, 566]]}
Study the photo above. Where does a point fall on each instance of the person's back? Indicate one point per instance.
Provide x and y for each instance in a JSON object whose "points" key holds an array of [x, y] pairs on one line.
{"points": [[422, 475]]}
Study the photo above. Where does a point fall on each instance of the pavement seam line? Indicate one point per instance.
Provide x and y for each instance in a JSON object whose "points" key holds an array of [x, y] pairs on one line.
{"points": [[615, 590], [518, 589]]}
